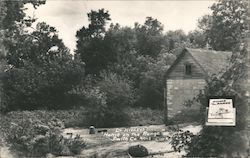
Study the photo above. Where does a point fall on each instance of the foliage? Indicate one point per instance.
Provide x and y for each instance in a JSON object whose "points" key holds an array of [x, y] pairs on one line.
{"points": [[224, 27], [32, 87], [80, 117], [175, 39], [75, 145], [69, 118], [40, 69], [122, 41], [42, 45], [90, 45], [197, 39], [107, 100], [119, 91], [149, 37], [144, 116], [30, 136], [13, 11], [132, 66], [101, 48], [152, 81], [12, 15], [97, 105], [43, 72], [147, 75], [215, 140], [141, 53], [180, 140], [138, 151]]}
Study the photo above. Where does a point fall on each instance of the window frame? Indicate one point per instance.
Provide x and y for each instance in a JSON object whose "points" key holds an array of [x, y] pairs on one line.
{"points": [[188, 69]]}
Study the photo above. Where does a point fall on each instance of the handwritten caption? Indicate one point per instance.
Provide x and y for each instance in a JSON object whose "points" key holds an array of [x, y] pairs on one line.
{"points": [[136, 134]]}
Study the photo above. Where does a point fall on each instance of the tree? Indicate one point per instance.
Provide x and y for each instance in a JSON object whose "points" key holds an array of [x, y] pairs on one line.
{"points": [[43, 71], [45, 86], [14, 11], [35, 47], [151, 86], [121, 40], [90, 46], [197, 39], [11, 17], [175, 39], [149, 36], [224, 27]]}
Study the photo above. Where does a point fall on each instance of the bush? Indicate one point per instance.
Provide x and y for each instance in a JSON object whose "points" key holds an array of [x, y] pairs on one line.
{"points": [[138, 151], [181, 140], [144, 116], [104, 116], [70, 118], [76, 144], [107, 100], [118, 90], [28, 136]]}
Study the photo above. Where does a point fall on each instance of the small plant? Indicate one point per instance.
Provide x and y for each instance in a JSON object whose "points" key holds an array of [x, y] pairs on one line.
{"points": [[181, 140], [138, 151], [75, 144]]}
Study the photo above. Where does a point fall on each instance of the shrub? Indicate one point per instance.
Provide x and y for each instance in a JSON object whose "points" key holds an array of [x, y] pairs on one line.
{"points": [[138, 151], [102, 114], [144, 116], [68, 118], [181, 140], [29, 136], [118, 90], [76, 144]]}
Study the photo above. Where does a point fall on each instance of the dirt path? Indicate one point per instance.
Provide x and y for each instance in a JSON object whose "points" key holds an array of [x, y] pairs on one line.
{"points": [[100, 146], [119, 149]]}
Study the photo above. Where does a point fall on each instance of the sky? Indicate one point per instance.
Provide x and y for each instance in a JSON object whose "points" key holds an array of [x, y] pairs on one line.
{"points": [[68, 16]]}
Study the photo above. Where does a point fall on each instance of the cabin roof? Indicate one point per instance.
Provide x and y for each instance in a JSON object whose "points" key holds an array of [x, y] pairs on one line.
{"points": [[212, 62]]}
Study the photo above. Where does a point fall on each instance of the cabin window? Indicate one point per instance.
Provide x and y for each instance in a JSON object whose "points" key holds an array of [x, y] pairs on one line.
{"points": [[188, 69]]}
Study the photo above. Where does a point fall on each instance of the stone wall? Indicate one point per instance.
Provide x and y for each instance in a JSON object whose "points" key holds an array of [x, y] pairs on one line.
{"points": [[180, 90]]}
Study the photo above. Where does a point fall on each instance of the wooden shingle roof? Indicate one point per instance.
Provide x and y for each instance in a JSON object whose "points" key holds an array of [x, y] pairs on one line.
{"points": [[213, 62]]}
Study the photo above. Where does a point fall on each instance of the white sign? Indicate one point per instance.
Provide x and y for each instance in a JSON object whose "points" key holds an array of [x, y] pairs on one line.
{"points": [[221, 113]]}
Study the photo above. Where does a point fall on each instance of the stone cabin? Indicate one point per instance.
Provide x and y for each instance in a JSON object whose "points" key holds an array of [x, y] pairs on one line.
{"points": [[187, 76]]}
